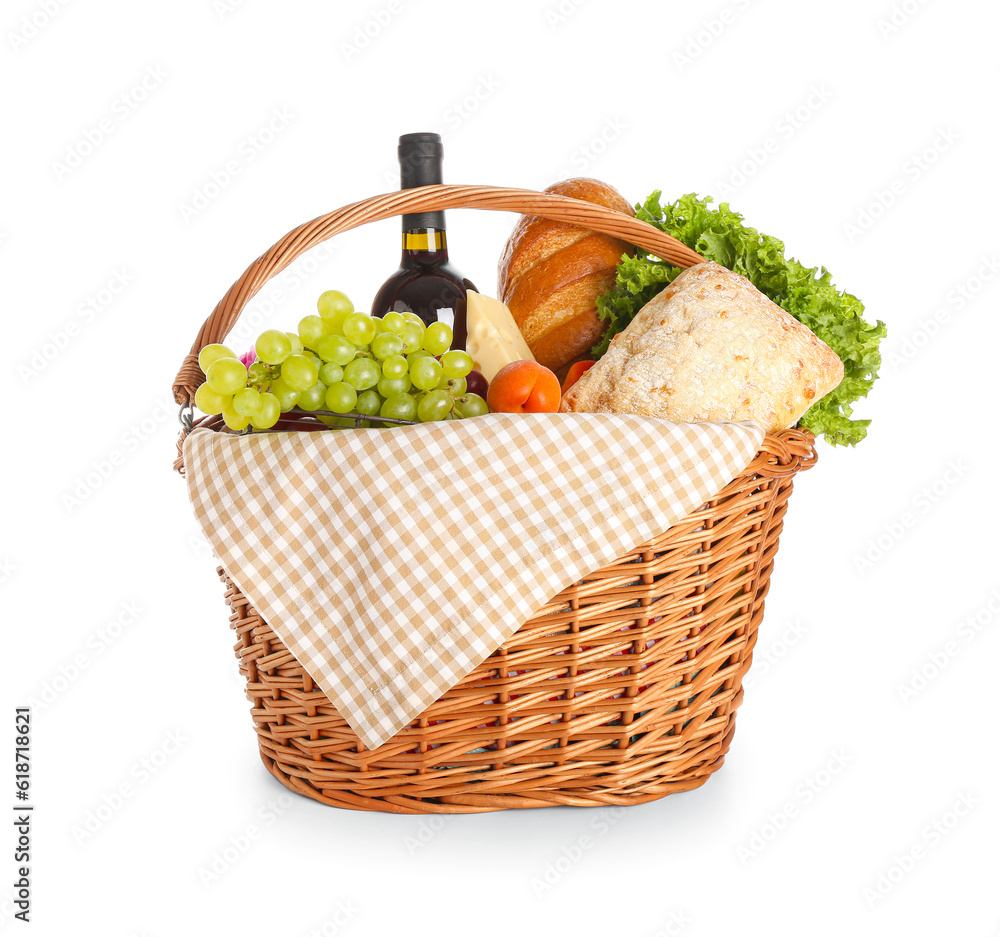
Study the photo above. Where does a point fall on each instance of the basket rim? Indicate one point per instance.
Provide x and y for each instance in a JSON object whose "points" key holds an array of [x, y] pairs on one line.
{"points": [[781, 454]]}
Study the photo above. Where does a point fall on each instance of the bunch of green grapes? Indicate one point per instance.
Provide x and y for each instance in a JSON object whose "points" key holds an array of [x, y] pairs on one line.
{"points": [[342, 362]]}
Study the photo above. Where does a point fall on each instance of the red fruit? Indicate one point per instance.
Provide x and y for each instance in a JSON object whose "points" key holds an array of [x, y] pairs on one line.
{"points": [[477, 384], [575, 372]]}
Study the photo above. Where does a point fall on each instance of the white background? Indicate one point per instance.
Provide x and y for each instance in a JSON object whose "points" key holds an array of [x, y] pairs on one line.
{"points": [[863, 133]]}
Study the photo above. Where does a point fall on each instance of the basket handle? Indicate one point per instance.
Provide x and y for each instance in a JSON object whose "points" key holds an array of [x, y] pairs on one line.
{"points": [[409, 201]]}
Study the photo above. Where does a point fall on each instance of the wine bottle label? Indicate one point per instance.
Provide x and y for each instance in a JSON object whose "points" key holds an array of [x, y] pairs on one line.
{"points": [[429, 239]]}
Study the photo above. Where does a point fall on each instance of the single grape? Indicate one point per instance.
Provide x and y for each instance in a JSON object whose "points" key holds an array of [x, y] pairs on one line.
{"points": [[393, 322], [286, 396], [273, 346], [390, 386], [477, 384], [456, 386], [235, 420], [362, 373], [412, 335], [419, 353], [212, 353], [425, 373], [313, 397], [368, 402], [333, 303], [471, 405], [395, 366], [246, 402], [341, 397], [338, 422], [311, 330], [209, 402], [413, 317], [226, 375], [437, 338], [268, 414], [336, 349], [456, 363], [259, 373], [332, 326], [399, 407], [386, 345], [359, 328], [296, 343], [299, 372], [434, 406], [331, 373]]}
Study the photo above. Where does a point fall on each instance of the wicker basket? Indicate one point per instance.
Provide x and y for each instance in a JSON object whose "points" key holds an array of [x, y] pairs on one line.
{"points": [[621, 690]]}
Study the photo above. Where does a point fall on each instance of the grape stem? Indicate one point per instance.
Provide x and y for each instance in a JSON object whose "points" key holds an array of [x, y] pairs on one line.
{"points": [[357, 417]]}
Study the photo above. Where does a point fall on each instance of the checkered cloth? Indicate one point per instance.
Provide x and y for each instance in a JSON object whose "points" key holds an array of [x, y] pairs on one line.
{"points": [[392, 561]]}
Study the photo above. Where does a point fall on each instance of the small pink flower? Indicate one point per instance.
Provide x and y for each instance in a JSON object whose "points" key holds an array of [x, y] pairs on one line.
{"points": [[249, 357]]}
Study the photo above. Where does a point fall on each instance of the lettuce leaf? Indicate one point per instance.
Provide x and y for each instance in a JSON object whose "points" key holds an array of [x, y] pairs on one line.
{"points": [[807, 293]]}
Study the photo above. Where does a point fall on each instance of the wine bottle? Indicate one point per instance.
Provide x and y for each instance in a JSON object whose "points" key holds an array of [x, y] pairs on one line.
{"points": [[425, 283]]}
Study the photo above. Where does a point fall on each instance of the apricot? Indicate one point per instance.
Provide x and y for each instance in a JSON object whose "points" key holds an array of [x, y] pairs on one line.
{"points": [[524, 387]]}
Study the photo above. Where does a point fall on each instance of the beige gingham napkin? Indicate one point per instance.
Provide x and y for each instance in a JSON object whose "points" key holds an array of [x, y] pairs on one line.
{"points": [[392, 561]]}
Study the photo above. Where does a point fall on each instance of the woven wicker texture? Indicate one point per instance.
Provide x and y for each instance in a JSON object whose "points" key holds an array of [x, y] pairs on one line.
{"points": [[621, 690]]}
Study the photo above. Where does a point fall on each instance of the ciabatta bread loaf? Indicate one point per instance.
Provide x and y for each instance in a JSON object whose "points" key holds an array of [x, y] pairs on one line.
{"points": [[552, 273], [710, 346]]}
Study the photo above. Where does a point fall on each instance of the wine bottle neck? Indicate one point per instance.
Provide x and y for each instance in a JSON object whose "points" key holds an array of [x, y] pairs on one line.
{"points": [[425, 246], [420, 163]]}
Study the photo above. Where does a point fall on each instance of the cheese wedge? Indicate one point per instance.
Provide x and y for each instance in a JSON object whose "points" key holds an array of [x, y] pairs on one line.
{"points": [[494, 338]]}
